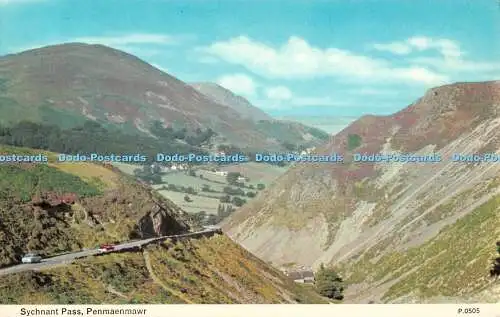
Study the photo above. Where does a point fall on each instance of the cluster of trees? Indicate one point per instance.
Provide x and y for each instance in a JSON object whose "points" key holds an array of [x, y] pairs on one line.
{"points": [[294, 147], [329, 284], [87, 138], [234, 191], [197, 137], [149, 174], [223, 211], [206, 188], [232, 178], [235, 200], [229, 148], [182, 189]]}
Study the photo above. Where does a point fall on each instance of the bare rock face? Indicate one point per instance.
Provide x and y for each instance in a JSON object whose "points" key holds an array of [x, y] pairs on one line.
{"points": [[159, 222]]}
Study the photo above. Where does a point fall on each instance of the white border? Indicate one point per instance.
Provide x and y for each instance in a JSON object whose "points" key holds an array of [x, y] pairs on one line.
{"points": [[341, 310]]}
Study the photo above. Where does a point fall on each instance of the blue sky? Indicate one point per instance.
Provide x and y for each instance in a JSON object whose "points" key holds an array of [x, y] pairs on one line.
{"points": [[322, 62]]}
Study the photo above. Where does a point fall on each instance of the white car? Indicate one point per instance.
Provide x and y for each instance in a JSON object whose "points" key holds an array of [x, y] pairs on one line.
{"points": [[31, 258]]}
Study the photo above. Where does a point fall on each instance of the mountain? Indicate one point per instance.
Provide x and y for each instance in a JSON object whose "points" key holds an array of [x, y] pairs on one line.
{"points": [[225, 97], [58, 208], [397, 232], [286, 131], [70, 83]]}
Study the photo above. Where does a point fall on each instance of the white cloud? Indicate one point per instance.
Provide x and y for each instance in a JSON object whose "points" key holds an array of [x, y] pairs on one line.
{"points": [[457, 65], [446, 47], [395, 48], [298, 59], [278, 93], [239, 84], [451, 59]]}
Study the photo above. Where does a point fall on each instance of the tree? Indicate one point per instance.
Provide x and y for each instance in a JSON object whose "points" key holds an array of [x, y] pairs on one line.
{"points": [[200, 216], [281, 163], [233, 191], [213, 219], [187, 199], [229, 209], [289, 146], [192, 173], [225, 199], [238, 202], [261, 186], [353, 141], [220, 211], [251, 194], [329, 284], [232, 177], [205, 188]]}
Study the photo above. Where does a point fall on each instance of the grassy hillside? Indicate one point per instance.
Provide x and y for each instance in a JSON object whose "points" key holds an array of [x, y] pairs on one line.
{"points": [[454, 263], [107, 207], [210, 270], [293, 133]]}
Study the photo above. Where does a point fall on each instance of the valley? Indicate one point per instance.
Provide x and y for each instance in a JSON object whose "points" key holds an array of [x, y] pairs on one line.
{"points": [[420, 227], [209, 187]]}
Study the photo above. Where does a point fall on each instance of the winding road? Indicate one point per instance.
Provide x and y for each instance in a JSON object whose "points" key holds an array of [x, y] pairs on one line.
{"points": [[68, 258]]}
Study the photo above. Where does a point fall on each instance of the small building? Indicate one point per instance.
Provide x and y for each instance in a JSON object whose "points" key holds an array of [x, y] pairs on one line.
{"points": [[301, 276], [241, 179]]}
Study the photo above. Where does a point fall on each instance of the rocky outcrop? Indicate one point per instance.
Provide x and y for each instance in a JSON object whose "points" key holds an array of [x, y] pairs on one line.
{"points": [[159, 222]]}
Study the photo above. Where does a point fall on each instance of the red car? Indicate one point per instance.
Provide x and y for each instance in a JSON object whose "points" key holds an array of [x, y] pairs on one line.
{"points": [[106, 247]]}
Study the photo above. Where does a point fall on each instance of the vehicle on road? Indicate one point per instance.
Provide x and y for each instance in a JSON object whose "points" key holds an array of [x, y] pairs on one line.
{"points": [[31, 258], [106, 247]]}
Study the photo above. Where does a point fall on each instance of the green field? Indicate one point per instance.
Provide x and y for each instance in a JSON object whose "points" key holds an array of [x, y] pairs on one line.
{"points": [[198, 204], [182, 179], [257, 173]]}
